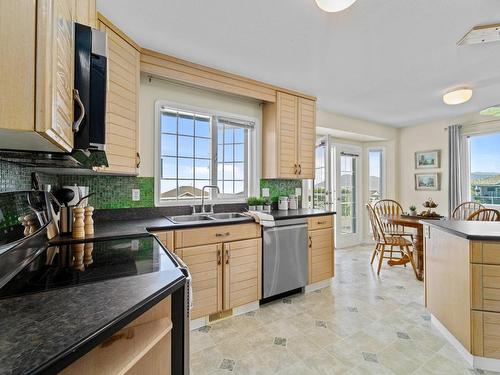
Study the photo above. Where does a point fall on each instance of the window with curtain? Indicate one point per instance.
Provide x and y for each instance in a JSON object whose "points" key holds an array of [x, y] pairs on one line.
{"points": [[375, 179], [484, 168], [196, 150]]}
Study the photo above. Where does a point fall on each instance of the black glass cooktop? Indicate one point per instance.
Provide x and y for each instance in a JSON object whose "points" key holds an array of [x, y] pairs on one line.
{"points": [[69, 265]]}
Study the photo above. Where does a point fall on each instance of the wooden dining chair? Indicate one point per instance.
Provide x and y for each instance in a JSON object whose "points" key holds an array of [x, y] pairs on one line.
{"points": [[382, 241], [388, 207], [485, 214], [464, 210]]}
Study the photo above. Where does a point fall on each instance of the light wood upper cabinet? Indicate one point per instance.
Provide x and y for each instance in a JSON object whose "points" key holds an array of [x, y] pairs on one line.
{"points": [[288, 137], [17, 65], [55, 71], [242, 272], [37, 74], [307, 138], [205, 266], [86, 13], [122, 112]]}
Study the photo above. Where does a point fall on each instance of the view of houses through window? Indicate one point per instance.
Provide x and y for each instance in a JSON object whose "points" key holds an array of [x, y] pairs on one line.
{"points": [[485, 168], [197, 150]]}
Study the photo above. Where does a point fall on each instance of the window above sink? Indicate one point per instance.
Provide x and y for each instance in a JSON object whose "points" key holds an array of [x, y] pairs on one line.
{"points": [[197, 147]]}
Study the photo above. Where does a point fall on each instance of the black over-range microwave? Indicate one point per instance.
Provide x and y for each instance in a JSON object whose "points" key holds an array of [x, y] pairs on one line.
{"points": [[90, 88]]}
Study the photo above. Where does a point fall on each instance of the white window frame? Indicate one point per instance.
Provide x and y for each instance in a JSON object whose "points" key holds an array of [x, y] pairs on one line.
{"points": [[383, 172], [466, 162], [252, 162]]}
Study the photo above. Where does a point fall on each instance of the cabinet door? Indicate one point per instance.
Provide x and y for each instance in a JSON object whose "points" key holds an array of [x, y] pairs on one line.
{"points": [[205, 265], [17, 65], [306, 139], [122, 104], [287, 135], [242, 272], [55, 71], [321, 258], [86, 12]]}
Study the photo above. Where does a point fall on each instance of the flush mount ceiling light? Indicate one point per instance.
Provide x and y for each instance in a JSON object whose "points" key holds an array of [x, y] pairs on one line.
{"points": [[334, 5], [491, 111], [457, 96]]}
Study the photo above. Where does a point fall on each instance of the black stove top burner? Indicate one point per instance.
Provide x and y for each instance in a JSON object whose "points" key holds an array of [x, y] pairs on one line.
{"points": [[69, 265]]}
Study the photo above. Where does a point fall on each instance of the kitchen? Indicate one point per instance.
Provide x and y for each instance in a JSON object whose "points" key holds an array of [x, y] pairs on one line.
{"points": [[172, 216]]}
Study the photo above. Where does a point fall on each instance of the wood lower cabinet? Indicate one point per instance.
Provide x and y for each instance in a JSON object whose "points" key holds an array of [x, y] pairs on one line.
{"points": [[122, 111], [225, 262], [205, 265], [242, 272], [289, 137], [142, 347], [321, 249], [86, 13]]}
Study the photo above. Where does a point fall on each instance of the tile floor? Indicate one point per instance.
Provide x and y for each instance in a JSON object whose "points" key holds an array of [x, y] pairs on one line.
{"points": [[361, 324]]}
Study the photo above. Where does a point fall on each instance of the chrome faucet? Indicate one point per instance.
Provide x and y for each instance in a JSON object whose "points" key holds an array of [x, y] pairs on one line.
{"points": [[203, 196]]}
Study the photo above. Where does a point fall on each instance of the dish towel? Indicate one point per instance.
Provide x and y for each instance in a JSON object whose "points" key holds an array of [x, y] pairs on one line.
{"points": [[261, 218]]}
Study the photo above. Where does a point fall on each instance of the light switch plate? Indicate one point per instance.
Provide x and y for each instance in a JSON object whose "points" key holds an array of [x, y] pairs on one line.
{"points": [[265, 192], [136, 195], [298, 191]]}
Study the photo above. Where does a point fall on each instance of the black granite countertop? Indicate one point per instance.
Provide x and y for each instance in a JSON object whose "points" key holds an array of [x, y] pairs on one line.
{"points": [[108, 229], [303, 212], [44, 332], [470, 230]]}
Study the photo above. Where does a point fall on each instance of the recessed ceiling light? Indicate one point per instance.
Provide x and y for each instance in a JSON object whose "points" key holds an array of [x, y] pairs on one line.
{"points": [[334, 5], [491, 111], [457, 96]]}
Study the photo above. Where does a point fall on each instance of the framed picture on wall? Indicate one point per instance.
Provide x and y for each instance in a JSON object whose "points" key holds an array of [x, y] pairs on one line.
{"points": [[427, 159], [427, 181]]}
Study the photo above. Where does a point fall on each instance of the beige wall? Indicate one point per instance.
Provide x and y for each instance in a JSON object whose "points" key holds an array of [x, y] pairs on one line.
{"points": [[431, 136], [159, 89]]}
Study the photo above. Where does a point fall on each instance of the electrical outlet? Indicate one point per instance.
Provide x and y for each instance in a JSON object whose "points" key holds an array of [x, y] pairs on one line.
{"points": [[136, 195], [298, 191], [265, 192]]}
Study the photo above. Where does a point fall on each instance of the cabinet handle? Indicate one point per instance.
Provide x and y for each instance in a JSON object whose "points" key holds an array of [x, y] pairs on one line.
{"points": [[295, 169], [77, 123], [138, 160], [310, 242], [219, 257], [300, 169], [227, 255], [222, 234], [321, 222]]}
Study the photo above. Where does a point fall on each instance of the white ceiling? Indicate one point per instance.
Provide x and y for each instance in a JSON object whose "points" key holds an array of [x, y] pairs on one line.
{"points": [[386, 61]]}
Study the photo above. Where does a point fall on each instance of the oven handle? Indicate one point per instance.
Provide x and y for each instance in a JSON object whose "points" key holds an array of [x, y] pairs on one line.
{"points": [[184, 268]]}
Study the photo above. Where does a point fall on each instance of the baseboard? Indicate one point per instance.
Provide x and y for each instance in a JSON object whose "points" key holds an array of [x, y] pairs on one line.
{"points": [[481, 363], [205, 320], [319, 285]]}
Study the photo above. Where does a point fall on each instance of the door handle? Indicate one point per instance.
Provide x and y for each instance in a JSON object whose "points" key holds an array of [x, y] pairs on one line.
{"points": [[300, 169], [219, 257], [227, 255], [310, 242], [295, 169], [77, 123]]}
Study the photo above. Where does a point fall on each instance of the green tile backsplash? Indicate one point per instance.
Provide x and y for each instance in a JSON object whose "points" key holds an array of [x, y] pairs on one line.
{"points": [[110, 191], [114, 191], [279, 188]]}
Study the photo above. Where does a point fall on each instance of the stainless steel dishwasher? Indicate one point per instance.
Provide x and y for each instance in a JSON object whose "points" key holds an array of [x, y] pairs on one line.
{"points": [[285, 259]]}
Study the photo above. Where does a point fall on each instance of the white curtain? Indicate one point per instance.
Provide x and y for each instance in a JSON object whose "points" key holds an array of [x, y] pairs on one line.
{"points": [[456, 168]]}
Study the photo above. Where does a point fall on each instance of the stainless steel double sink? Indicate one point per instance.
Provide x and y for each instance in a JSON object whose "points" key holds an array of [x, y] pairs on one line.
{"points": [[198, 218]]}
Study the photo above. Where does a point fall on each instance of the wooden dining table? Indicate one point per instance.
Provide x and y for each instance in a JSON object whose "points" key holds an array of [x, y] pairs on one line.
{"points": [[411, 222]]}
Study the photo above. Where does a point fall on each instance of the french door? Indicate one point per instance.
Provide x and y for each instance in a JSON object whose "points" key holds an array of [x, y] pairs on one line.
{"points": [[347, 194]]}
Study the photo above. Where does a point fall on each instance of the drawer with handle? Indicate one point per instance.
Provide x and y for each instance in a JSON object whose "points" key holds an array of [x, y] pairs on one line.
{"points": [[216, 234], [320, 222], [485, 287]]}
